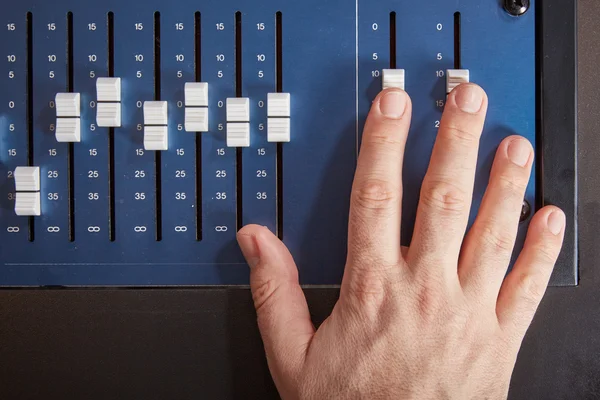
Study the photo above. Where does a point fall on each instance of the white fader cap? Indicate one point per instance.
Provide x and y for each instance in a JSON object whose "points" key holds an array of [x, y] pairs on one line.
{"points": [[278, 105], [238, 109], [68, 104], [27, 179], [278, 130], [196, 94], [196, 119], [108, 89], [238, 134], [28, 204], [455, 77], [108, 115], [393, 78]]}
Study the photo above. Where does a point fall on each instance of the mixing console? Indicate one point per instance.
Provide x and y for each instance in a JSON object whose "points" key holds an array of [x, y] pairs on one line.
{"points": [[138, 136]]}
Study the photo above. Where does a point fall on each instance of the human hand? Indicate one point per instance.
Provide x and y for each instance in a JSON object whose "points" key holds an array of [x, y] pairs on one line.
{"points": [[437, 320]]}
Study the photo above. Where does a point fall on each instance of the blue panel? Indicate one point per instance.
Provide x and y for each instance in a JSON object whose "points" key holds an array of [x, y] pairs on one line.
{"points": [[319, 70], [333, 55], [50, 77], [178, 164], [90, 58], [259, 160], [135, 183], [218, 161]]}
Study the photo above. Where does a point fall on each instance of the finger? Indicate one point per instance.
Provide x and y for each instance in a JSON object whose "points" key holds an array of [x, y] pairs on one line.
{"points": [[488, 247], [445, 202], [374, 228], [526, 284], [283, 316]]}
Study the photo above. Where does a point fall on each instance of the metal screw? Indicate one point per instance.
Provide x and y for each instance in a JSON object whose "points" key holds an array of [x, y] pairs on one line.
{"points": [[516, 7], [525, 211]]}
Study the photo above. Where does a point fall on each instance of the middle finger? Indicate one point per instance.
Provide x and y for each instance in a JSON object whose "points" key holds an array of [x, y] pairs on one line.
{"points": [[445, 201]]}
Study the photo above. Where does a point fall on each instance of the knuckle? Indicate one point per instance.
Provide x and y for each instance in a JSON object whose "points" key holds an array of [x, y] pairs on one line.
{"points": [[372, 284], [460, 134], [444, 197], [264, 293], [512, 184], [546, 253], [368, 290], [531, 288], [429, 303], [376, 194], [386, 135], [498, 239], [430, 295]]}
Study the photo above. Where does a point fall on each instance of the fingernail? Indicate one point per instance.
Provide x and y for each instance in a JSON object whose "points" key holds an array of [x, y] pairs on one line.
{"points": [[556, 222], [393, 104], [519, 152], [249, 249], [469, 98]]}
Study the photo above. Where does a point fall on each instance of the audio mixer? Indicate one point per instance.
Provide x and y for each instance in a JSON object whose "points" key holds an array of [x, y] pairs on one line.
{"points": [[137, 136]]}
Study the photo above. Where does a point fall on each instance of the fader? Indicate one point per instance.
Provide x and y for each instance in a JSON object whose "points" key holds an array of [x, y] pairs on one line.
{"points": [[139, 136]]}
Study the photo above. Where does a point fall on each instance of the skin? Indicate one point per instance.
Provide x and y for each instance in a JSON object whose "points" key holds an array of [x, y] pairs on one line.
{"points": [[438, 320]]}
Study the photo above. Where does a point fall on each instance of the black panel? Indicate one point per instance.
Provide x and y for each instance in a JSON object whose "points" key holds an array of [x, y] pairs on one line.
{"points": [[558, 102]]}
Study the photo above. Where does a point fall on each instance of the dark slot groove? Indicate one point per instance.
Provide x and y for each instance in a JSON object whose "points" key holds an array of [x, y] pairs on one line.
{"points": [[238, 93], [393, 40], [198, 166], [71, 148], [111, 133], [157, 154], [31, 221], [457, 40], [279, 89], [539, 110]]}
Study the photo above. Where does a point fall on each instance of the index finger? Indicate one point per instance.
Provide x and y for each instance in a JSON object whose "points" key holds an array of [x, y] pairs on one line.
{"points": [[374, 229]]}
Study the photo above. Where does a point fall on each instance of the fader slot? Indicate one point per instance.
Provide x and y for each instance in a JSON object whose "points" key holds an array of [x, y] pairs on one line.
{"points": [[70, 148], [392, 77], [239, 93], [456, 76], [111, 134], [457, 41], [393, 56], [279, 89], [30, 151], [198, 135], [157, 154]]}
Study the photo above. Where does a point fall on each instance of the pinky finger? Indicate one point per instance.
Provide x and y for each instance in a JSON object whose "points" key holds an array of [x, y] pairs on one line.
{"points": [[525, 285]]}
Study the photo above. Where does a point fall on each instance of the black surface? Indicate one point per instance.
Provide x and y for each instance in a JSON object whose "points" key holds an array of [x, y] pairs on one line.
{"points": [[203, 344], [557, 99], [560, 358]]}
